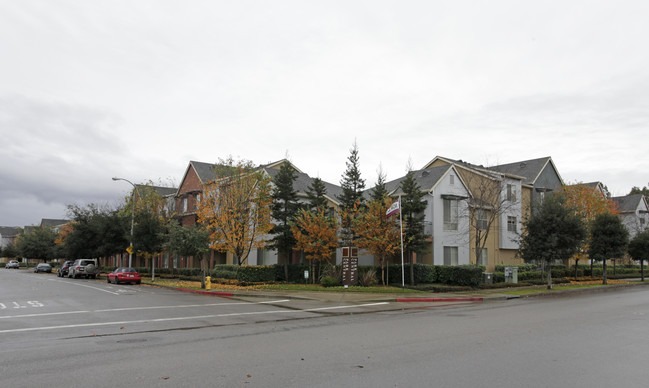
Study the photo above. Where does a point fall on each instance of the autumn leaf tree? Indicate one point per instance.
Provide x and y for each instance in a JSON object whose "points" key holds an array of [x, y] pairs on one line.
{"points": [[587, 202], [316, 235], [235, 208], [377, 233]]}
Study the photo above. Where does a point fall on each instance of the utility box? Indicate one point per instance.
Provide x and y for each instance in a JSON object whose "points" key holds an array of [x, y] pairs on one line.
{"points": [[511, 274], [487, 278]]}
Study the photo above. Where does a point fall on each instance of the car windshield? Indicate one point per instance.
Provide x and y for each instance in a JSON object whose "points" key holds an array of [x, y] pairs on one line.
{"points": [[128, 270]]}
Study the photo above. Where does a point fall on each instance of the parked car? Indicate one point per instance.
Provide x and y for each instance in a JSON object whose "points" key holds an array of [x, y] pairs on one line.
{"points": [[43, 267], [64, 269], [124, 275], [13, 264], [87, 268]]}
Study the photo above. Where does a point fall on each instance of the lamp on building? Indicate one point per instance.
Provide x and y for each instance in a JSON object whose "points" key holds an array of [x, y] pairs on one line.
{"points": [[130, 248]]}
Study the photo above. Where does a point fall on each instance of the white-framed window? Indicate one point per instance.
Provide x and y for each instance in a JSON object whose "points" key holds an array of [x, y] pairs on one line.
{"points": [[511, 224], [450, 255], [183, 204], [450, 214], [482, 219], [197, 200], [511, 193], [484, 257], [451, 179]]}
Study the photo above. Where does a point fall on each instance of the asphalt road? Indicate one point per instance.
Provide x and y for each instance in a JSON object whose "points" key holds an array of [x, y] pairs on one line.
{"points": [[78, 333]]}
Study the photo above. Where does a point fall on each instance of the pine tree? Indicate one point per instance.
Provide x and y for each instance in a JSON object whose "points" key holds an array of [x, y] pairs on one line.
{"points": [[284, 209], [316, 194], [379, 191], [412, 211], [352, 195]]}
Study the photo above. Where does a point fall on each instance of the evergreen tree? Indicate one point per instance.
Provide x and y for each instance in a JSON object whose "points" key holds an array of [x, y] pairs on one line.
{"points": [[316, 194], [351, 198], [284, 210], [553, 232], [608, 240], [412, 211], [379, 191]]}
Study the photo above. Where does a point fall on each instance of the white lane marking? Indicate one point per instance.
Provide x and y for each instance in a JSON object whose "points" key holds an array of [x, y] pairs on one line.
{"points": [[141, 308], [83, 285], [187, 318]]}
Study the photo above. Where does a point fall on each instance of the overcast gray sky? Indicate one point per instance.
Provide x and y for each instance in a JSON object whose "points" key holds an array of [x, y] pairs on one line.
{"points": [[136, 89]]}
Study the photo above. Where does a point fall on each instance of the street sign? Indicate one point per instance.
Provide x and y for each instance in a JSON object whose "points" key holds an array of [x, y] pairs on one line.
{"points": [[130, 249]]}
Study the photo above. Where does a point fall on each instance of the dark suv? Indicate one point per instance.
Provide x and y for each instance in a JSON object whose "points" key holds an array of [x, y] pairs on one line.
{"points": [[87, 268], [64, 269]]}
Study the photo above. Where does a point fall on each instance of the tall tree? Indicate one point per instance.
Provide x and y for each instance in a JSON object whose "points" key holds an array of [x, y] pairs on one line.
{"points": [[636, 190], [37, 243], [377, 233], [10, 251], [351, 198], [587, 202], [379, 191], [284, 210], [149, 233], [315, 233], [188, 241], [412, 212], [553, 232], [491, 197], [235, 208], [608, 240], [639, 249], [316, 194]]}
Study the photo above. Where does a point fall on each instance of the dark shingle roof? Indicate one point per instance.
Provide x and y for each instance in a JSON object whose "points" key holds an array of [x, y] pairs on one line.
{"points": [[9, 231], [628, 203], [303, 181], [426, 179], [51, 223], [530, 169], [162, 191], [205, 171]]}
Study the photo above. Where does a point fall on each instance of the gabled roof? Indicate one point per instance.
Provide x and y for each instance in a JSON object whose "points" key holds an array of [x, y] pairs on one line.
{"points": [[427, 179], [205, 171], [162, 191], [529, 169], [52, 223], [629, 203], [9, 231], [476, 169], [304, 181]]}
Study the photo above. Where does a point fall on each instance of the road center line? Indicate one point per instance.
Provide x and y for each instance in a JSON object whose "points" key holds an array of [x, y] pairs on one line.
{"points": [[188, 318], [140, 308]]}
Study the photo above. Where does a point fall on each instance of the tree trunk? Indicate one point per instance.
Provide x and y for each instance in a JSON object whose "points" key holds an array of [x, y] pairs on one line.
{"points": [[591, 268], [614, 267], [543, 270], [576, 268], [549, 277], [604, 272]]}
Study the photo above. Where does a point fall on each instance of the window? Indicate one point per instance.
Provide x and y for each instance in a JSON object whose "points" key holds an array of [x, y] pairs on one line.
{"points": [[511, 193], [183, 204], [511, 224], [450, 214], [484, 257], [451, 179], [482, 221], [450, 255], [197, 200]]}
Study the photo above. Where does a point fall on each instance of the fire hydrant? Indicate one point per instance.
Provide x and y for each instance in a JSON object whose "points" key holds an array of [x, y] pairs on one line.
{"points": [[208, 283]]}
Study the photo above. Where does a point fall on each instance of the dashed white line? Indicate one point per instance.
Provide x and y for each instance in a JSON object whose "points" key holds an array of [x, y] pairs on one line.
{"points": [[188, 318]]}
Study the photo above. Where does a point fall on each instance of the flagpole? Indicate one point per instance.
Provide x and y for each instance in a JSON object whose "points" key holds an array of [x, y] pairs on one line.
{"points": [[403, 276]]}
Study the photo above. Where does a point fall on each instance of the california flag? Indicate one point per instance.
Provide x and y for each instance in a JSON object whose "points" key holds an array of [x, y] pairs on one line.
{"points": [[394, 209]]}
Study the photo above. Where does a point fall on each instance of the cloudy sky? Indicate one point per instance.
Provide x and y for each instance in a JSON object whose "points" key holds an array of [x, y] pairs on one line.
{"points": [[136, 89]]}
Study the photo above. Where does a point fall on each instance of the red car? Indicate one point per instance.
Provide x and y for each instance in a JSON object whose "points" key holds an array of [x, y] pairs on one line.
{"points": [[124, 275]]}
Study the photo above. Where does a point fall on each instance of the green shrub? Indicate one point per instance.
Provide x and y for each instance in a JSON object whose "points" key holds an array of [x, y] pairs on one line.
{"points": [[256, 274], [367, 278], [329, 281]]}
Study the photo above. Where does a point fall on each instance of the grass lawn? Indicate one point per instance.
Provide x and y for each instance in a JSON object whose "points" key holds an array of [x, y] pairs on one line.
{"points": [[195, 285], [562, 287]]}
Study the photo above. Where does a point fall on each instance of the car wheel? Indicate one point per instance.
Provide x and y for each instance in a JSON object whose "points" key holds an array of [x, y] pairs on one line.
{"points": [[107, 279], [139, 282]]}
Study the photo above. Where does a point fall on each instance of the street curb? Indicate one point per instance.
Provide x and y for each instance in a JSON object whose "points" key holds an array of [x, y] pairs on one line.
{"points": [[472, 299]]}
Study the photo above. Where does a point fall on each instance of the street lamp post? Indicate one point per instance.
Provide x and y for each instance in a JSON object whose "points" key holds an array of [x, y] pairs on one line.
{"points": [[130, 250]]}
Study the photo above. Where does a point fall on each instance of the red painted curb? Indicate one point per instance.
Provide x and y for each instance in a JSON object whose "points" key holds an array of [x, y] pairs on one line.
{"points": [[439, 300], [206, 292]]}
